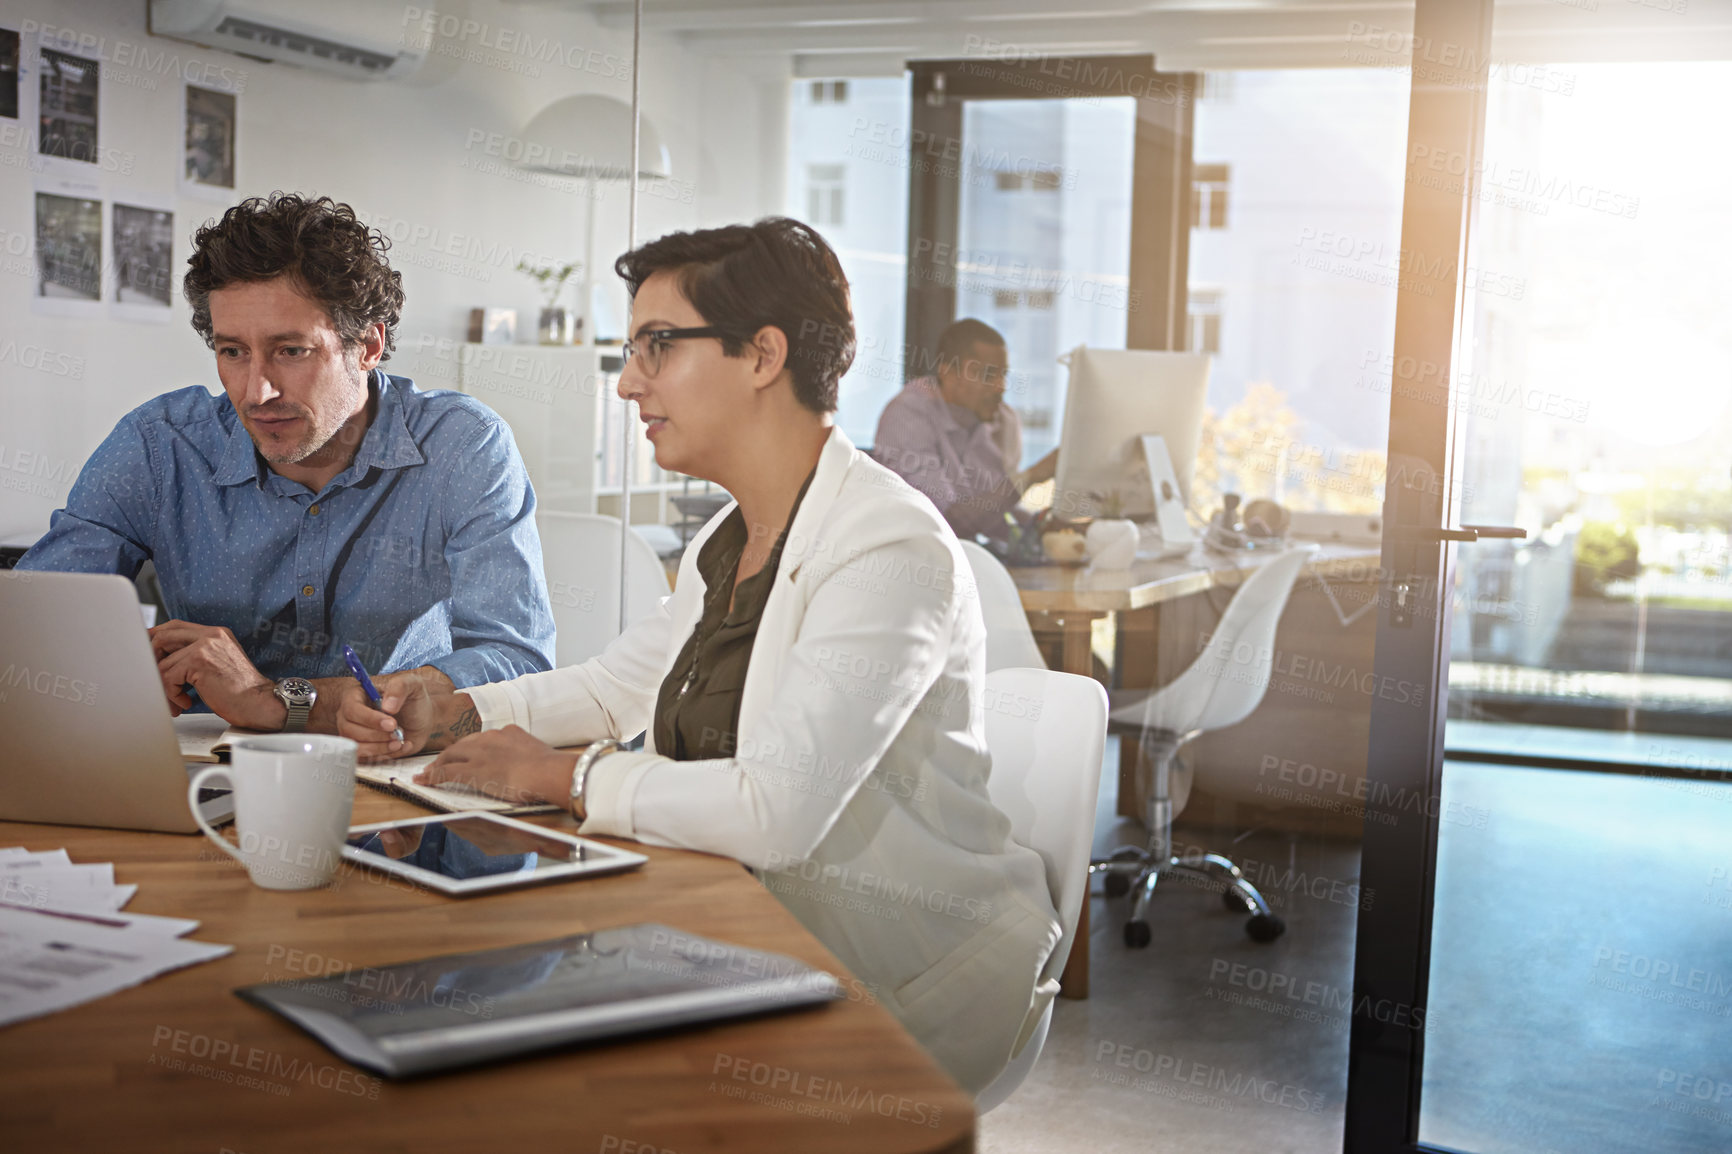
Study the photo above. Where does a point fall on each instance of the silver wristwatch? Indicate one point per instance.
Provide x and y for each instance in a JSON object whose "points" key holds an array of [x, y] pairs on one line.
{"points": [[298, 695]]}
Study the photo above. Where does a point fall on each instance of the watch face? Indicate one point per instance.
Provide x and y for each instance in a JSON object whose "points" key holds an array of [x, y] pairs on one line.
{"points": [[295, 690]]}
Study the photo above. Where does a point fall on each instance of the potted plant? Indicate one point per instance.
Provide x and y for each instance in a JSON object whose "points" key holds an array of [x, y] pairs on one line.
{"points": [[558, 324]]}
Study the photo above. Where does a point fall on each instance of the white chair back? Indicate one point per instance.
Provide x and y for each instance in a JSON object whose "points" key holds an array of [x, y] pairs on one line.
{"points": [[1047, 734], [1009, 640], [580, 555], [1228, 678]]}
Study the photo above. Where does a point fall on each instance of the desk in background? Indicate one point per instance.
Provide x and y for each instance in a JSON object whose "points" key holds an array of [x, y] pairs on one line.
{"points": [[1162, 610], [95, 1078]]}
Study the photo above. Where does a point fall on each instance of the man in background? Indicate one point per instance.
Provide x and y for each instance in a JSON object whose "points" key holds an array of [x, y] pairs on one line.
{"points": [[952, 437], [318, 500]]}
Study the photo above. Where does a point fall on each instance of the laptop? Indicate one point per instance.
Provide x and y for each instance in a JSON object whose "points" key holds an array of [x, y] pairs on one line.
{"points": [[84, 725]]}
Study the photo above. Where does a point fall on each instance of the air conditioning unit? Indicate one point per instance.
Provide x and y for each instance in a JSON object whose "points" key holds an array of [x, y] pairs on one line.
{"points": [[359, 39]]}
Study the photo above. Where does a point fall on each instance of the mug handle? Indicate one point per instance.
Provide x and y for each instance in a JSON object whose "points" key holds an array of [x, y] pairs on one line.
{"points": [[192, 789]]}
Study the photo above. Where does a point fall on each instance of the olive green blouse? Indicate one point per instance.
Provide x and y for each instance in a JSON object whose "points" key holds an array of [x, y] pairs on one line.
{"points": [[698, 709]]}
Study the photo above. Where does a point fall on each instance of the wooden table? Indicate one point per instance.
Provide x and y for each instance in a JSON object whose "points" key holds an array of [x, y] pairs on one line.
{"points": [[103, 1076], [1067, 600], [1064, 602]]}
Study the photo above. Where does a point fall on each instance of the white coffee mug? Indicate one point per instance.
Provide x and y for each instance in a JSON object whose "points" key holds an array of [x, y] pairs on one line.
{"points": [[1112, 544], [294, 793]]}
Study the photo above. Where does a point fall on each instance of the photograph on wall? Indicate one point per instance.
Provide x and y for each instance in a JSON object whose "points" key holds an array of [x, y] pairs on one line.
{"points": [[68, 123], [210, 137], [68, 247], [8, 74], [143, 248]]}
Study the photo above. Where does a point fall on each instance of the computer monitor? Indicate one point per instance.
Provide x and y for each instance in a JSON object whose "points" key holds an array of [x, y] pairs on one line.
{"points": [[1117, 396]]}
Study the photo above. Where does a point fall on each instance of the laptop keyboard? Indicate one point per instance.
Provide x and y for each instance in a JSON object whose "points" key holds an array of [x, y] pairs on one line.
{"points": [[205, 792]]}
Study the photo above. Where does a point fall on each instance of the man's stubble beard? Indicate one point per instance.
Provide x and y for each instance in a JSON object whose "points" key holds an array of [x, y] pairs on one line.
{"points": [[316, 438]]}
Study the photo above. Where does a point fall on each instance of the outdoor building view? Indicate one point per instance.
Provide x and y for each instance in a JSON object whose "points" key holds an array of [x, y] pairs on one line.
{"points": [[1568, 401]]}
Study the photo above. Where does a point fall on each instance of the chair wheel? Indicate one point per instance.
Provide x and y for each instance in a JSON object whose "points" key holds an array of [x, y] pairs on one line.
{"points": [[1264, 927], [1116, 885], [1236, 901], [1136, 934]]}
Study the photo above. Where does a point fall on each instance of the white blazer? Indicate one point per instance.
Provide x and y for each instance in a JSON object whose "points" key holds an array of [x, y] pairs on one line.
{"points": [[857, 793]]}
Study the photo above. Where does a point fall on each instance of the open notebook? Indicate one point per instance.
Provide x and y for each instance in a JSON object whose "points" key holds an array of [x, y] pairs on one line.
{"points": [[204, 737]]}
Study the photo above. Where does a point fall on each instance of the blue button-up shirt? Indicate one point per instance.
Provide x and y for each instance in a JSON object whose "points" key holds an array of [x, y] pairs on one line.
{"points": [[422, 552]]}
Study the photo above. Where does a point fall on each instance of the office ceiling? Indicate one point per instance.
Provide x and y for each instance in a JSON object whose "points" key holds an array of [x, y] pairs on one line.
{"points": [[813, 38]]}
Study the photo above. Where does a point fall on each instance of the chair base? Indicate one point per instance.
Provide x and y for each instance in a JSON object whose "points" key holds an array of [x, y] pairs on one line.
{"points": [[1130, 869]]}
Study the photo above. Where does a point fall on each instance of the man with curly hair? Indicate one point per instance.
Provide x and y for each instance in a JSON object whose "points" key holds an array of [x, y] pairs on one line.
{"points": [[319, 501]]}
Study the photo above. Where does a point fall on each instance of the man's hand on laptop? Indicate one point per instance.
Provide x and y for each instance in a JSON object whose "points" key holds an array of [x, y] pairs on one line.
{"points": [[208, 658], [422, 702]]}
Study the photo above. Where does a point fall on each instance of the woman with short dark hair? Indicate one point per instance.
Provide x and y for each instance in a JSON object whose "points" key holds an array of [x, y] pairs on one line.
{"points": [[812, 691]]}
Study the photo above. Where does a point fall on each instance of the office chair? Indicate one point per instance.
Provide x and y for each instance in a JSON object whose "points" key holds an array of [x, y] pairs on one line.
{"points": [[1220, 688], [580, 555], [1046, 775], [1009, 641]]}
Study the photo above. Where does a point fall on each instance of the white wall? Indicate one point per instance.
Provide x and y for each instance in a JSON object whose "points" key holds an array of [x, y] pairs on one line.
{"points": [[411, 156]]}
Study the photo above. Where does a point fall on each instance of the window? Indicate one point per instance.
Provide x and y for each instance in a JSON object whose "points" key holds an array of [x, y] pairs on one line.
{"points": [[872, 243], [824, 203], [829, 91], [1209, 196], [1006, 298], [1288, 366], [1203, 313]]}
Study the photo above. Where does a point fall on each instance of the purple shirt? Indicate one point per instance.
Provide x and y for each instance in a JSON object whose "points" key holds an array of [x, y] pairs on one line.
{"points": [[963, 464]]}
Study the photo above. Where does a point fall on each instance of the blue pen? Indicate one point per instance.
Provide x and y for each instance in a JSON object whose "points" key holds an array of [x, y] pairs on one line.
{"points": [[360, 672]]}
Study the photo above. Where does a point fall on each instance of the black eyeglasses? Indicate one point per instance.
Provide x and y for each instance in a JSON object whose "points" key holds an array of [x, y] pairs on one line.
{"points": [[652, 344]]}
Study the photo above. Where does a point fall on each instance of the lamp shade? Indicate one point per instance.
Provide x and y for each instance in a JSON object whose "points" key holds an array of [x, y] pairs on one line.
{"points": [[590, 135]]}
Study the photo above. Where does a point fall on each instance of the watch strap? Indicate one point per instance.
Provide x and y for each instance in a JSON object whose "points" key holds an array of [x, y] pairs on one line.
{"points": [[296, 722]]}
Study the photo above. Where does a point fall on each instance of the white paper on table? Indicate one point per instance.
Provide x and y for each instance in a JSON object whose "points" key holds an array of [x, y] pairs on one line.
{"points": [[52, 878], [50, 963], [93, 890], [144, 923], [93, 874], [12, 851], [39, 860]]}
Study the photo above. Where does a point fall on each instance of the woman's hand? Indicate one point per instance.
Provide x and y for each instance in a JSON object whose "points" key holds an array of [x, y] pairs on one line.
{"points": [[506, 763]]}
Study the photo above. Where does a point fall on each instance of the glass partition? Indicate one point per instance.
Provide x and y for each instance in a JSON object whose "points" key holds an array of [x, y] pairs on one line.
{"points": [[1580, 993]]}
